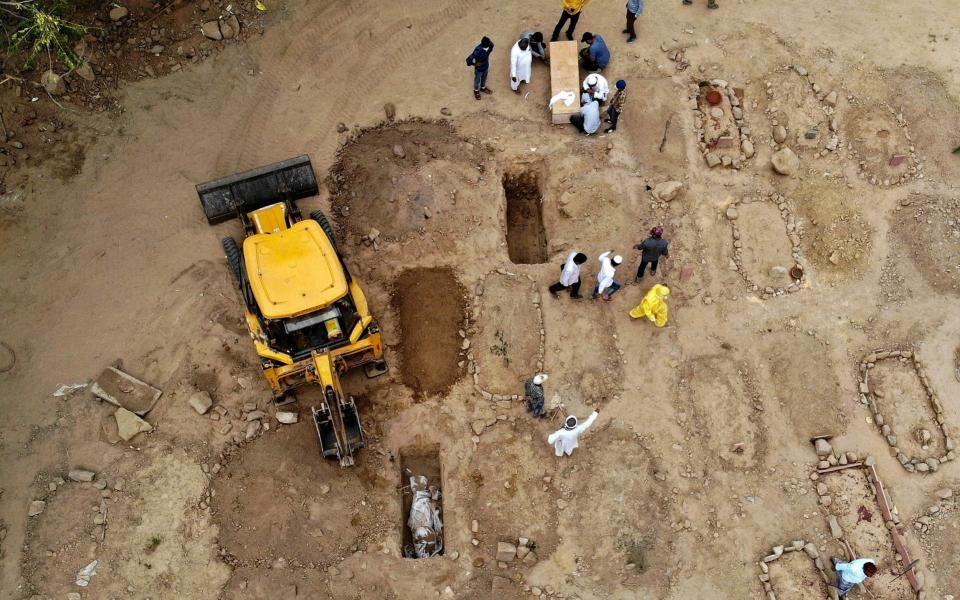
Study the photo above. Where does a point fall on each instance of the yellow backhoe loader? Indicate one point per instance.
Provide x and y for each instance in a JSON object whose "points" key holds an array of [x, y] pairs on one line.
{"points": [[307, 315]]}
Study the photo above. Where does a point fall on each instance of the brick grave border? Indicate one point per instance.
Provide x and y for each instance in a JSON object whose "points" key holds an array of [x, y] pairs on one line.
{"points": [[869, 395], [891, 517]]}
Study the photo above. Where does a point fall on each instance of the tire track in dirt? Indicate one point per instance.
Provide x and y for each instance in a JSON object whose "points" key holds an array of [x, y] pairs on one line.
{"points": [[437, 22], [249, 131], [251, 139]]}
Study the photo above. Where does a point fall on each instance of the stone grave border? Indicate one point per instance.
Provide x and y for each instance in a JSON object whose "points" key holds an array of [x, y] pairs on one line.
{"points": [[793, 234], [888, 511], [915, 171], [747, 150], [808, 548], [828, 102], [868, 396], [474, 318]]}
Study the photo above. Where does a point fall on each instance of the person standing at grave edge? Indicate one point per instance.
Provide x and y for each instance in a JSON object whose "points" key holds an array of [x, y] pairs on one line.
{"points": [[634, 10], [571, 12], [479, 59]]}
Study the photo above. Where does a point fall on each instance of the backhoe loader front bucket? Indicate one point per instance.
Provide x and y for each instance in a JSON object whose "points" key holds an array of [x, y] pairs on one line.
{"points": [[223, 199]]}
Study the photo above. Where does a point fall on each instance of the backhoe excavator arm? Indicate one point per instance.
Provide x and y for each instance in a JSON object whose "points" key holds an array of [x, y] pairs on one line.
{"points": [[337, 420]]}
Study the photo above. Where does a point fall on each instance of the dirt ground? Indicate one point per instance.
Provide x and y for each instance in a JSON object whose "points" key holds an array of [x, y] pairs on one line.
{"points": [[700, 460]]}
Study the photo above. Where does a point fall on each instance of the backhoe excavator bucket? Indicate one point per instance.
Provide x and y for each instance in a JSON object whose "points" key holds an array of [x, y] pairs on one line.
{"points": [[222, 199], [326, 431]]}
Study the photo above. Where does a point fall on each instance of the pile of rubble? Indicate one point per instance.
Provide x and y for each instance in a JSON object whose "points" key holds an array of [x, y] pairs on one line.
{"points": [[522, 550], [869, 395], [945, 505]]}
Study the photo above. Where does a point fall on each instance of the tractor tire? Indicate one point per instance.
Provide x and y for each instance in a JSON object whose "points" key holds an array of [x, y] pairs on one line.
{"points": [[321, 219], [232, 251]]}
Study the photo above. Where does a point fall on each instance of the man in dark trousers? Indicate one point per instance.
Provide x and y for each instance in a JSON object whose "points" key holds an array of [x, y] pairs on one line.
{"points": [[479, 59], [652, 248], [616, 106], [596, 56], [571, 12], [634, 10], [570, 276]]}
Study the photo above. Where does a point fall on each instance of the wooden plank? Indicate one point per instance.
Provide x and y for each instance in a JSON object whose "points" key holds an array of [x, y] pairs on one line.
{"points": [[840, 467], [564, 77]]}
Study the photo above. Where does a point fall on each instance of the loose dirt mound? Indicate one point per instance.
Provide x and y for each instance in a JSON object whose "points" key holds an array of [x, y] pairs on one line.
{"points": [[877, 139], [837, 238], [717, 403], [764, 245], [430, 306], [278, 497], [395, 177], [507, 345], [905, 406], [509, 497], [929, 229], [810, 403]]}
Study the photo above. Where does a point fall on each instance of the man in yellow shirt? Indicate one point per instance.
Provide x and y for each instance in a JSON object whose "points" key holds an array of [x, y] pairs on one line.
{"points": [[571, 12]]}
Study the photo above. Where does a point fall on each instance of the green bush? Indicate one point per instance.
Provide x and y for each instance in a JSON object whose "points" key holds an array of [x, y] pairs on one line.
{"points": [[40, 30]]}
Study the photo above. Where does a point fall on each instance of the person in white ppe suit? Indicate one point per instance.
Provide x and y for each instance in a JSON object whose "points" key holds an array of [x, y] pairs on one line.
{"points": [[520, 60], [606, 285], [566, 440], [597, 86]]}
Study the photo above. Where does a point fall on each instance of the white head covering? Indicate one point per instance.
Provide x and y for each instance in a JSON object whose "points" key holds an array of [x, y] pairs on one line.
{"points": [[617, 260], [539, 378], [592, 79], [570, 422]]}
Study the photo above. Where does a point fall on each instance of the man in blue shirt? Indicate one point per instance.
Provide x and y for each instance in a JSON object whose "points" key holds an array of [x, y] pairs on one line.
{"points": [[479, 59], [849, 574], [596, 56], [588, 121]]}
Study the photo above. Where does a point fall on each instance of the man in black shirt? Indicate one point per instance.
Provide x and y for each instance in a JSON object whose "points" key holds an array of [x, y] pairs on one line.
{"points": [[652, 248]]}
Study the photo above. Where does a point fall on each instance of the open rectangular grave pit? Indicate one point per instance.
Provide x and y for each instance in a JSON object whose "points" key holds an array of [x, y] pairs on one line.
{"points": [[430, 306], [421, 488], [717, 403], [905, 408], [508, 343], [526, 236]]}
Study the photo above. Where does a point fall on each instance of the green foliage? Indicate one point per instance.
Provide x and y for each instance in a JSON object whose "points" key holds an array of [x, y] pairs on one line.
{"points": [[42, 30]]}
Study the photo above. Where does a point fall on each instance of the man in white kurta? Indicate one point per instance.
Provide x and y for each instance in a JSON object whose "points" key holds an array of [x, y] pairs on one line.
{"points": [[520, 60], [597, 86], [566, 440], [606, 285]]}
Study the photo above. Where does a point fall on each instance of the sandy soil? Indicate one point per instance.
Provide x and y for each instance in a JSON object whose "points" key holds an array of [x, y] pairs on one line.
{"points": [[106, 256]]}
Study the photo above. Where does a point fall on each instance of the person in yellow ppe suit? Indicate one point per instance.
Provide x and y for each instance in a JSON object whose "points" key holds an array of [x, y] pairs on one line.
{"points": [[571, 12], [653, 306]]}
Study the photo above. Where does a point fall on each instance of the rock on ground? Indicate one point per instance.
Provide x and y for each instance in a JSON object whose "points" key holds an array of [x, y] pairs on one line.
{"points": [[53, 83], [506, 552], [823, 447], [785, 162], [668, 190], [36, 507], [211, 29], [81, 475], [118, 13], [129, 424], [201, 402]]}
